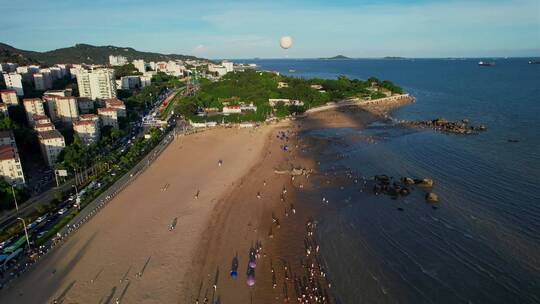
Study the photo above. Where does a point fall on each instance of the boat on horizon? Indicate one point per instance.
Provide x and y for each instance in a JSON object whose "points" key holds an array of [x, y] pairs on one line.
{"points": [[486, 63]]}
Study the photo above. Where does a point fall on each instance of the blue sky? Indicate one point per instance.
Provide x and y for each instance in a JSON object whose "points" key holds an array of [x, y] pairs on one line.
{"points": [[247, 29]]}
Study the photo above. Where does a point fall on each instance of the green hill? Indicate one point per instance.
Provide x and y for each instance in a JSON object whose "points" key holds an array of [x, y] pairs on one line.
{"points": [[80, 53]]}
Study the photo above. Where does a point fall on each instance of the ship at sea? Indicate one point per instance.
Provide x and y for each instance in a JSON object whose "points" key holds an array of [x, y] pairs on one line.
{"points": [[534, 61], [486, 63]]}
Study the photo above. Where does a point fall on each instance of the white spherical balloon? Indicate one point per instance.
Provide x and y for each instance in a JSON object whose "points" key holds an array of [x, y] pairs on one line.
{"points": [[285, 42]]}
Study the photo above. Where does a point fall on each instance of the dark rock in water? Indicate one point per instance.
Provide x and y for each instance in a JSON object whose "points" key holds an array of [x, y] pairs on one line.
{"points": [[384, 179], [432, 197], [443, 125], [400, 209], [425, 182], [404, 191], [407, 180]]}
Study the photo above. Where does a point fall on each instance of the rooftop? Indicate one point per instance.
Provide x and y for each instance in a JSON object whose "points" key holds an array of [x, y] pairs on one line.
{"points": [[51, 134], [88, 116], [7, 152], [84, 123], [106, 110], [8, 91], [113, 102]]}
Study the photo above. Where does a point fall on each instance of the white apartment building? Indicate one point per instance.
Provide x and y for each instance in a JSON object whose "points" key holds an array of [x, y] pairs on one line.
{"points": [[51, 144], [130, 82], [10, 163], [14, 81], [117, 60], [140, 65], [9, 97], [42, 81], [108, 117], [217, 69], [118, 105], [56, 73], [96, 84], [87, 129], [229, 66], [67, 109], [44, 126], [145, 80], [33, 106], [61, 93]]}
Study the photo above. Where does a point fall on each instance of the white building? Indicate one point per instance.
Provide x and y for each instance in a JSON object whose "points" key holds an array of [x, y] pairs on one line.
{"points": [[87, 129], [44, 126], [217, 69], [8, 67], [42, 81], [145, 80], [232, 109], [287, 102], [118, 105], [140, 65], [10, 163], [229, 66], [108, 117], [96, 84], [9, 97], [51, 144], [67, 109], [117, 60], [33, 106], [130, 82], [14, 81]]}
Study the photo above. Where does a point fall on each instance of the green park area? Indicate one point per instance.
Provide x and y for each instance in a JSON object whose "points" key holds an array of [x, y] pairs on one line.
{"points": [[255, 87]]}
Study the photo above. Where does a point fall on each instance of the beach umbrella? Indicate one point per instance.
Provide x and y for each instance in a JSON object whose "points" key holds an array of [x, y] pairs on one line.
{"points": [[285, 42], [234, 274]]}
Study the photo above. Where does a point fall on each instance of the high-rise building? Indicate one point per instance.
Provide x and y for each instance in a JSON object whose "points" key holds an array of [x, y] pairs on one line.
{"points": [[96, 84], [10, 163], [117, 60], [229, 66], [33, 106], [42, 81], [67, 109], [14, 81], [140, 65], [51, 144]]}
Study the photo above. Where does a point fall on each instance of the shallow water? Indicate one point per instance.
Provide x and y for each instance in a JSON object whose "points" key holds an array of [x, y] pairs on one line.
{"points": [[482, 245]]}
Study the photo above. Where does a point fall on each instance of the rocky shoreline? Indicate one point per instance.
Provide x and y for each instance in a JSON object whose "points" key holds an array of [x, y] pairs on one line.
{"points": [[440, 124]]}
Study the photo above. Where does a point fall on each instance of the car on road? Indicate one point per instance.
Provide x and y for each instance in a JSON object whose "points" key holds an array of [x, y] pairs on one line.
{"points": [[41, 234], [62, 211], [41, 218]]}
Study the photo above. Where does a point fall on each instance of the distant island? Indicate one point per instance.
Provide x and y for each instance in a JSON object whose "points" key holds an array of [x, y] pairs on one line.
{"points": [[338, 57], [393, 57]]}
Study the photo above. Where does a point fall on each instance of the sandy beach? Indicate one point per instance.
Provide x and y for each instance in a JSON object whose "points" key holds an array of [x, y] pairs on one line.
{"points": [[127, 251], [220, 213]]}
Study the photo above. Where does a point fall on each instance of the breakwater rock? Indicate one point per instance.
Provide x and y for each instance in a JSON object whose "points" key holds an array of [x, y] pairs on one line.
{"points": [[446, 126]]}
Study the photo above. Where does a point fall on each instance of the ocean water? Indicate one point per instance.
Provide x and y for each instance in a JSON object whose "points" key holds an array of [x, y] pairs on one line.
{"points": [[482, 243]]}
